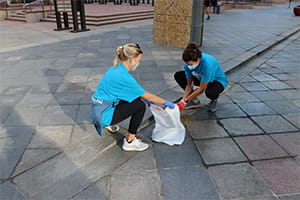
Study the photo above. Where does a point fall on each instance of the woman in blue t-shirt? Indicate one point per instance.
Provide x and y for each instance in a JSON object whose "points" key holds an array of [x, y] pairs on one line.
{"points": [[202, 70], [118, 97]]}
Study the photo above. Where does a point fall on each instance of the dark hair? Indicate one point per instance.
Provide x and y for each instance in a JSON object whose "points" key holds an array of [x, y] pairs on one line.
{"points": [[191, 52]]}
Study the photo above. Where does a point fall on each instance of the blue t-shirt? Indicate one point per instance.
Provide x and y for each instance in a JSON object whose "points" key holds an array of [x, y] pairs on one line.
{"points": [[117, 84], [207, 71]]}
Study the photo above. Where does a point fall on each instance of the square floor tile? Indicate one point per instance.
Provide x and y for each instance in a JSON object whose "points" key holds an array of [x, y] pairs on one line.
{"points": [[277, 85], [59, 115], [238, 181], [229, 110], [289, 141], [294, 118], [260, 147], [290, 197], [240, 126], [268, 95], [256, 108], [289, 94], [274, 124], [254, 87], [283, 107], [241, 97], [282, 175], [205, 129], [219, 151], [187, 183], [176, 156]]}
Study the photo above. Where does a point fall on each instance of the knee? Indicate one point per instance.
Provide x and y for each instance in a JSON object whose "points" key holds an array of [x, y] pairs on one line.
{"points": [[179, 75], [210, 94]]}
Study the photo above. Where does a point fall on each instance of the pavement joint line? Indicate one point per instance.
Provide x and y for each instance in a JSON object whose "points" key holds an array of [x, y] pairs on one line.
{"points": [[180, 167]]}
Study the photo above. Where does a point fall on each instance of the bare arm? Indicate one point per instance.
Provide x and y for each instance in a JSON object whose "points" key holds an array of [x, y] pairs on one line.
{"points": [[197, 92], [151, 97], [189, 87]]}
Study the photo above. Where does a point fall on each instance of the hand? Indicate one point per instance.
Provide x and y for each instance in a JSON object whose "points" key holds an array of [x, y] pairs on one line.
{"points": [[169, 104], [181, 104], [148, 102]]}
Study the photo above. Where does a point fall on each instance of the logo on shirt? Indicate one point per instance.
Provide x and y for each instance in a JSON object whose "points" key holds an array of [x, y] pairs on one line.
{"points": [[197, 75]]}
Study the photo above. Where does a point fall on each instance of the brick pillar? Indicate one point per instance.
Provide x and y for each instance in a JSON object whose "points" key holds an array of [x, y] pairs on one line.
{"points": [[174, 22]]}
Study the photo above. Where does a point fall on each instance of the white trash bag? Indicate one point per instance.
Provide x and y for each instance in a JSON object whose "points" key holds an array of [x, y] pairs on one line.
{"points": [[168, 127]]}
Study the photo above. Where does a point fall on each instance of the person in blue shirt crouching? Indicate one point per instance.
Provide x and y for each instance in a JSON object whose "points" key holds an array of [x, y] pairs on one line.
{"points": [[200, 69], [119, 96]]}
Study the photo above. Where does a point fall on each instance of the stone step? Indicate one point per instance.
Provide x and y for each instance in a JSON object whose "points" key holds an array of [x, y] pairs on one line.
{"points": [[21, 16], [101, 23], [15, 19]]}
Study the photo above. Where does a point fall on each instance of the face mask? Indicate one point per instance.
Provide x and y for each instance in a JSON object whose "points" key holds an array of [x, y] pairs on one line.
{"points": [[133, 68], [192, 67]]}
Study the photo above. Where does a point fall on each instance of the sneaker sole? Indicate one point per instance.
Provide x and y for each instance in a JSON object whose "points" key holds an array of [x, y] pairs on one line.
{"points": [[212, 110], [125, 149], [192, 107]]}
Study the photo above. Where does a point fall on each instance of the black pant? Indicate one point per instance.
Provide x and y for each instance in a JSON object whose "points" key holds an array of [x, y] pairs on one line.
{"points": [[212, 91], [135, 110]]}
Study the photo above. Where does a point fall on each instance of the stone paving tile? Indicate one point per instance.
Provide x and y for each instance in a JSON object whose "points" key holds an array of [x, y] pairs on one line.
{"points": [[282, 175], [289, 94], [260, 147], [9, 100], [219, 151], [229, 110], [238, 181], [51, 137], [289, 141], [247, 79], [262, 76], [140, 162], [283, 107], [34, 157], [276, 85], [237, 88], [9, 192], [256, 108], [4, 112], [200, 114], [25, 117], [205, 129], [175, 156], [268, 96], [294, 84], [251, 87], [187, 183], [294, 118], [16, 90], [240, 97], [95, 191], [240, 126], [67, 98], [147, 182], [274, 124], [290, 197], [83, 114], [71, 87], [78, 165], [59, 115]]}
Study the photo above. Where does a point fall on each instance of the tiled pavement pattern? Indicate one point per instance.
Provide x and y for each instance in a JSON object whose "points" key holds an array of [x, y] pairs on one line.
{"points": [[248, 149]]}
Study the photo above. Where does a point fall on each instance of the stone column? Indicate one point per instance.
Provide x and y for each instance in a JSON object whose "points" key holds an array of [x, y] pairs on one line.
{"points": [[178, 22]]}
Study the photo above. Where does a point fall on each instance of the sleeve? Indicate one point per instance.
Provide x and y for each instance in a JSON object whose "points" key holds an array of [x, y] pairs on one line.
{"points": [[209, 73], [187, 71], [129, 89]]}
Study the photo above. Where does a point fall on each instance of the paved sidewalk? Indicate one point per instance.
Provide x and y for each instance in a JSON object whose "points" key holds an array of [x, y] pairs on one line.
{"points": [[248, 149]]}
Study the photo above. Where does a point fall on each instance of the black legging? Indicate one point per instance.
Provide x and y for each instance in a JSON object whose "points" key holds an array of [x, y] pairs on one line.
{"points": [[135, 110], [212, 91]]}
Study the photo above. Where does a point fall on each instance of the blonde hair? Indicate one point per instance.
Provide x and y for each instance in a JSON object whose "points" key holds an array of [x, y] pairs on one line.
{"points": [[123, 53]]}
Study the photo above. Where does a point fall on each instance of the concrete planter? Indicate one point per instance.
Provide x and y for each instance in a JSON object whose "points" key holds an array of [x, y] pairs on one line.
{"points": [[297, 10]]}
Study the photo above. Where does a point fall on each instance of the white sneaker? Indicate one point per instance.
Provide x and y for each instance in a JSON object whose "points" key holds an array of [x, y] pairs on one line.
{"points": [[135, 145], [112, 128]]}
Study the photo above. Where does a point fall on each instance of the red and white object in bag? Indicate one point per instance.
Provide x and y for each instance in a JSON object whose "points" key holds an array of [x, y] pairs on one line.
{"points": [[168, 127]]}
